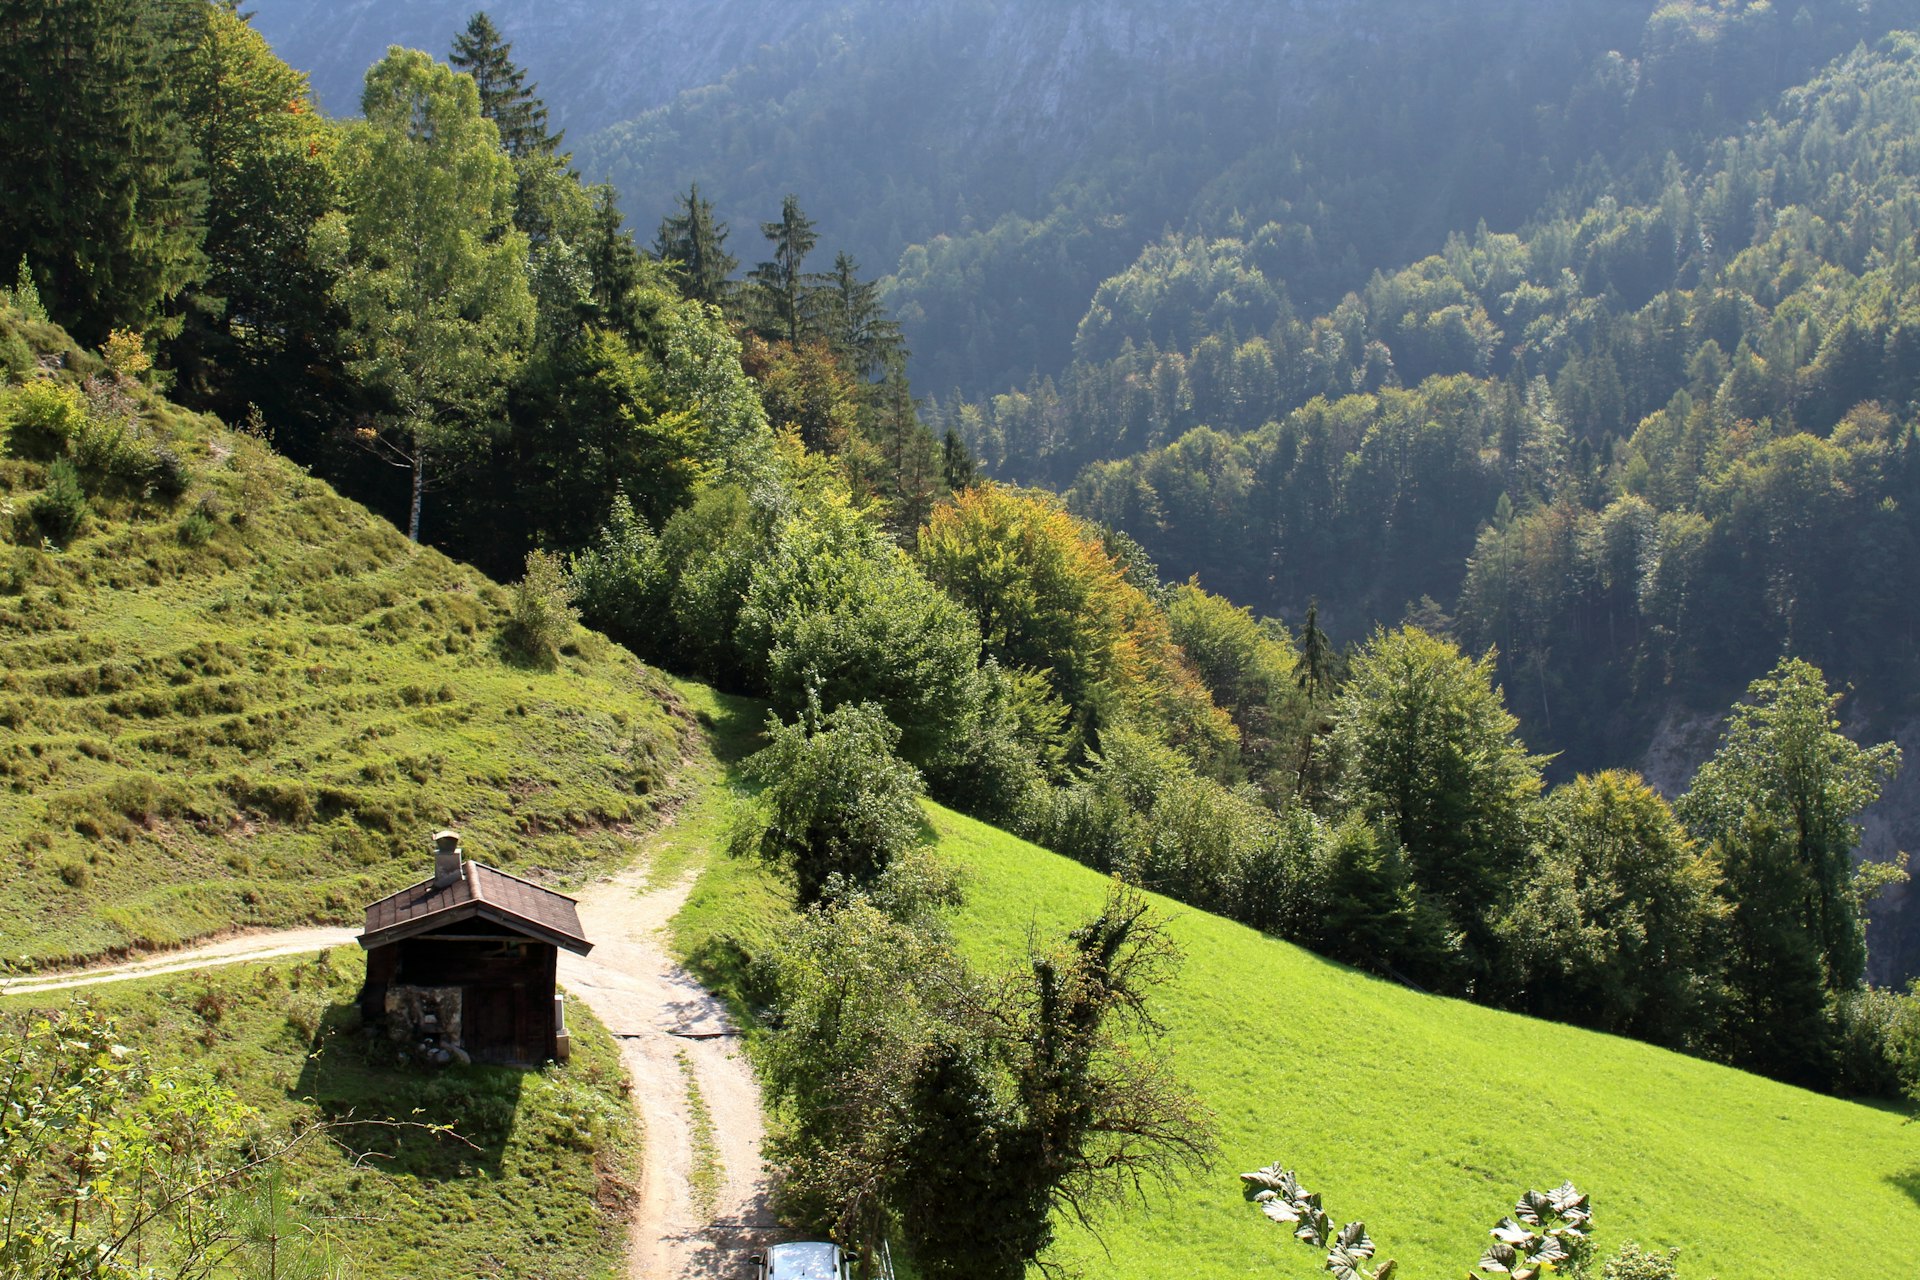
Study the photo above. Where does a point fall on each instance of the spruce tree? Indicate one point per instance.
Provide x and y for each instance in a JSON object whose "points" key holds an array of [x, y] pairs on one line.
{"points": [[505, 96], [782, 290], [104, 194], [695, 246], [853, 321], [957, 466], [615, 263]]}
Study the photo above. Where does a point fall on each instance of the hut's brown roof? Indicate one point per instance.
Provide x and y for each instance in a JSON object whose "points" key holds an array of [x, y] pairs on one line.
{"points": [[483, 893]]}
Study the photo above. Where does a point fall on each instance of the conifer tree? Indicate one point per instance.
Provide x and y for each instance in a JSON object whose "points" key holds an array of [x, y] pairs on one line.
{"points": [[104, 193], [853, 321], [782, 289], [957, 467], [505, 96], [695, 245], [614, 262]]}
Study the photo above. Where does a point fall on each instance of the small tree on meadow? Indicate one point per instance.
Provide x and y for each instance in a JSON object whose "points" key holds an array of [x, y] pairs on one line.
{"points": [[1777, 803], [839, 807], [1432, 759], [543, 613]]}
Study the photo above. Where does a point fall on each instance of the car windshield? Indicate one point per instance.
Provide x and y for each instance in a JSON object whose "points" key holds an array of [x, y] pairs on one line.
{"points": [[803, 1262]]}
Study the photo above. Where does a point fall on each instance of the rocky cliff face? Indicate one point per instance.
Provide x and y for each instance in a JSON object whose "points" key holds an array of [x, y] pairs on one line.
{"points": [[596, 61]]}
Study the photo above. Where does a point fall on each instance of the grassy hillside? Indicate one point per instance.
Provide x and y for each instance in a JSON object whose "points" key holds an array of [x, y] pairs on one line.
{"points": [[1423, 1116], [233, 697], [534, 1186]]}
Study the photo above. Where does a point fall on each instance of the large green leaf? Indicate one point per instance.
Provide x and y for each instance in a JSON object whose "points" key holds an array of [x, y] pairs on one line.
{"points": [[1568, 1199], [1533, 1208], [1548, 1250], [1272, 1178], [1347, 1265]]}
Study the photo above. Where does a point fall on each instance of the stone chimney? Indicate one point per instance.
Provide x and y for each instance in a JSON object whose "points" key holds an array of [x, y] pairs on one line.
{"points": [[446, 859]]}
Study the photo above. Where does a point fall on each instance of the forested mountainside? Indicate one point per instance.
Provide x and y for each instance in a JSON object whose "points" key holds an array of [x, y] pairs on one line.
{"points": [[1004, 159], [598, 62], [1687, 420], [1642, 446]]}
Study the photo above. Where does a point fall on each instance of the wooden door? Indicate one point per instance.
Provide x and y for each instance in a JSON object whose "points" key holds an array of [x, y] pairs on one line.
{"points": [[492, 1017]]}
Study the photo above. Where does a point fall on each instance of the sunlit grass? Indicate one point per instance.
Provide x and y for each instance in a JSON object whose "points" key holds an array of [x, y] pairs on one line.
{"points": [[1426, 1117], [1423, 1116]]}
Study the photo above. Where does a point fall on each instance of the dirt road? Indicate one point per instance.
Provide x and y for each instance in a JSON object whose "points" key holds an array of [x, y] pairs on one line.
{"points": [[671, 1033], [210, 955]]}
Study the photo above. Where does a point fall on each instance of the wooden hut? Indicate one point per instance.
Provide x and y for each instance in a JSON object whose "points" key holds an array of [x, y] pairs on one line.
{"points": [[461, 967]]}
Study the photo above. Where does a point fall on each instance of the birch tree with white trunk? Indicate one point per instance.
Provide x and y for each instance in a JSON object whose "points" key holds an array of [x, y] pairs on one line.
{"points": [[432, 273]]}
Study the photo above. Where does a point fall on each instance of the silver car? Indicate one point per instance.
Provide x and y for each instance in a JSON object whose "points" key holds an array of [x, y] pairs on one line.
{"points": [[809, 1261]]}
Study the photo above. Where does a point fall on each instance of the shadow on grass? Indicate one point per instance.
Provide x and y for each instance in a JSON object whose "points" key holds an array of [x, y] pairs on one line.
{"points": [[1908, 1181], [433, 1123], [741, 976], [736, 728]]}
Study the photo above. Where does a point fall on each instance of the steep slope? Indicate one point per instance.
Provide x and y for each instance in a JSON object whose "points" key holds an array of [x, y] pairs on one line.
{"points": [[1421, 1115], [1426, 1116], [251, 702]]}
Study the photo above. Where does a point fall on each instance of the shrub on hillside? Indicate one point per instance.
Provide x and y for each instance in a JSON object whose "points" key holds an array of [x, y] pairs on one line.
{"points": [[1284, 879], [543, 613], [1633, 1264], [1376, 917], [839, 806], [40, 416], [711, 547], [1876, 1036], [990, 766], [116, 452], [61, 508], [619, 583], [836, 610]]}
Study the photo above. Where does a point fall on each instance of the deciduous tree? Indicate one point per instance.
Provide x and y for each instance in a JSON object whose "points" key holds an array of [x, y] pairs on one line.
{"points": [[1778, 801], [432, 274], [261, 321], [839, 806], [1618, 927], [1430, 755]]}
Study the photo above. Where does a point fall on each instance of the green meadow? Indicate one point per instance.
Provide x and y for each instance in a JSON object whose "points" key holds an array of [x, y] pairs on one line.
{"points": [[1423, 1116]]}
